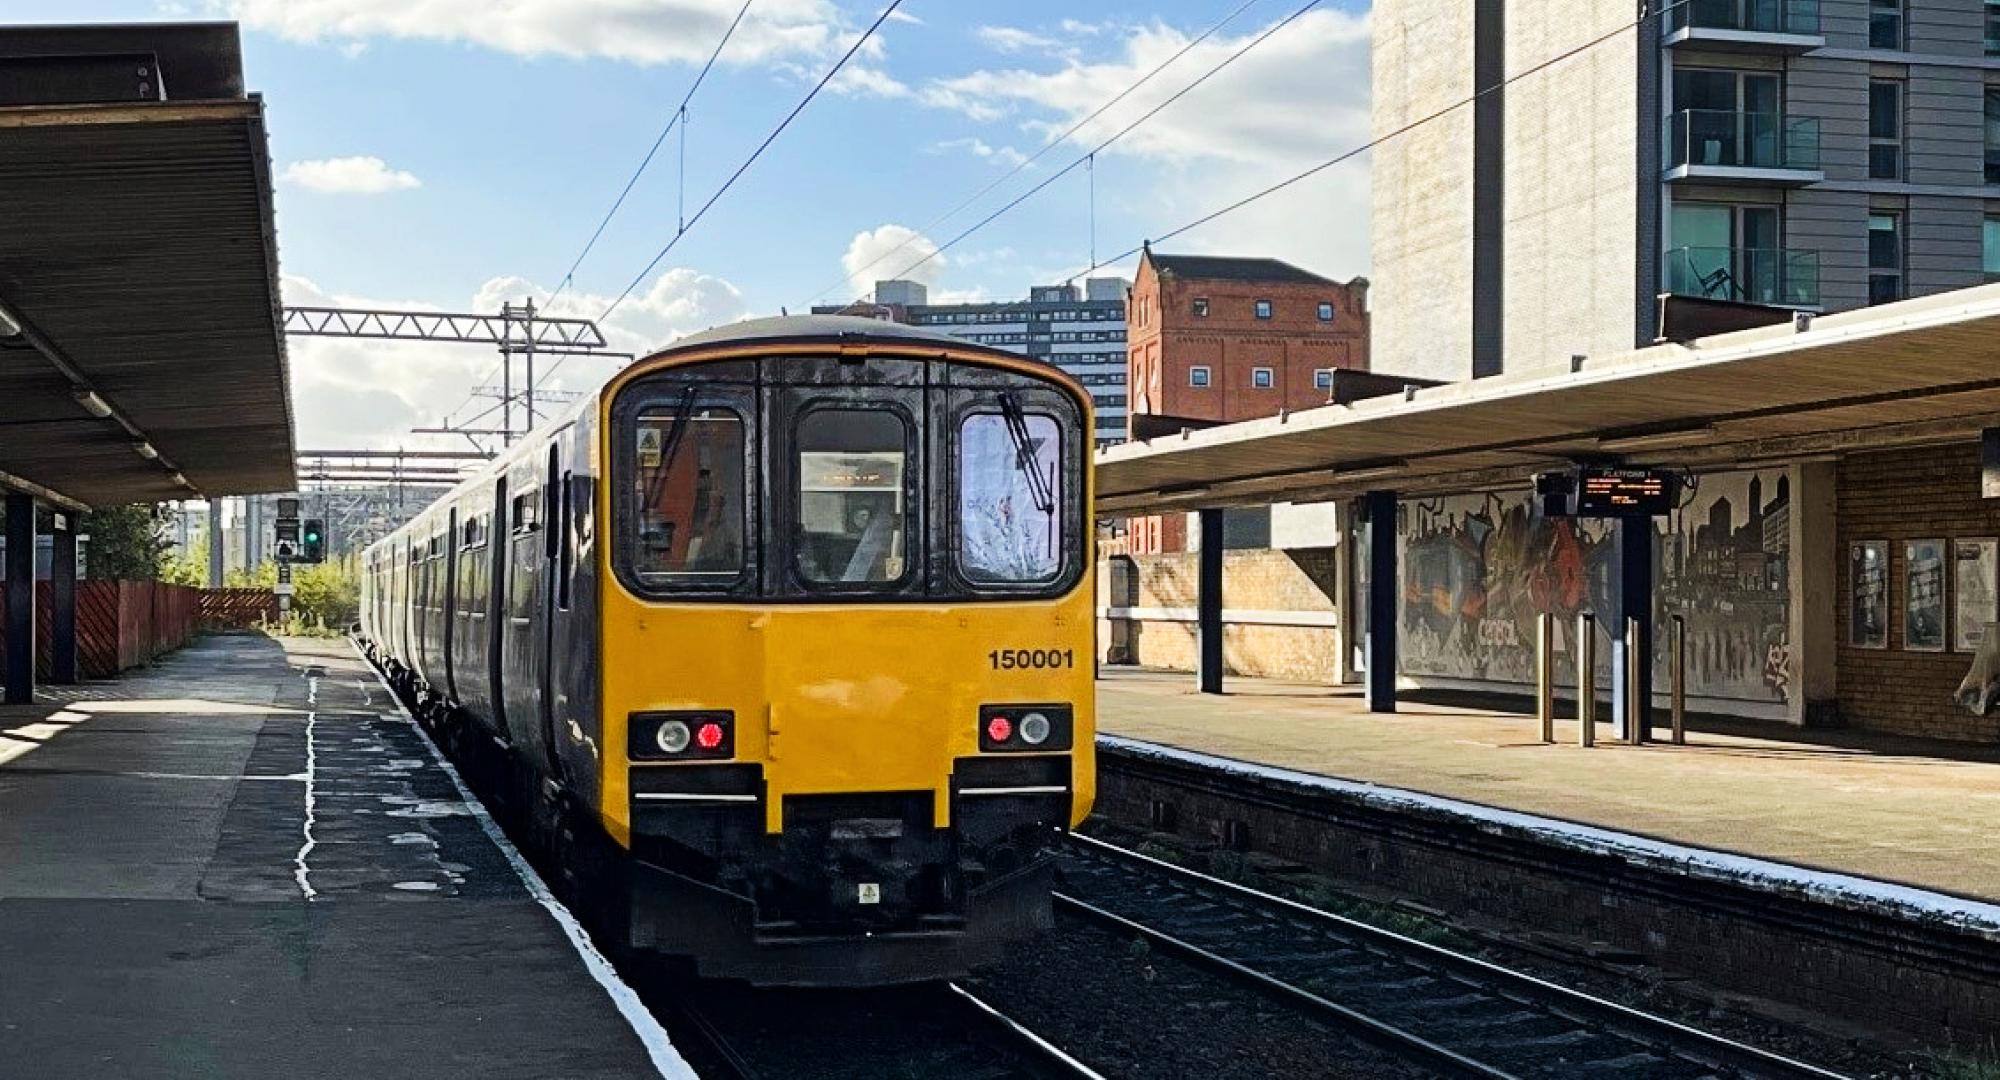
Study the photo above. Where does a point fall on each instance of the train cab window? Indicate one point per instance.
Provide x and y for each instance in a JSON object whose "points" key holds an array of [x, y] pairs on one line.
{"points": [[689, 494], [1010, 497], [851, 509]]}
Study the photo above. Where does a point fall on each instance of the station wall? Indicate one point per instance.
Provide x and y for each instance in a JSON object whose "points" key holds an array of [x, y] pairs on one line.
{"points": [[1477, 570], [1279, 616], [1903, 654]]}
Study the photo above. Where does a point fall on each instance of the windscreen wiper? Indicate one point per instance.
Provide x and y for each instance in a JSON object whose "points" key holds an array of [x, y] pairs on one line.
{"points": [[683, 412], [1024, 453]]}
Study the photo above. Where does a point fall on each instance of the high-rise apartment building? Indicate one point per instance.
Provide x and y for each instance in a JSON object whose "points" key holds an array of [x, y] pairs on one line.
{"points": [[1080, 331], [1815, 154]]}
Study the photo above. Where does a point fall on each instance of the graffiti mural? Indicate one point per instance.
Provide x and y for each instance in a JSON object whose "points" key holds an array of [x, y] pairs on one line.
{"points": [[1478, 569]]}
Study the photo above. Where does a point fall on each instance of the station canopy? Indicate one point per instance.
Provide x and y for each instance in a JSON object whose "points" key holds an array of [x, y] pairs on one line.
{"points": [[1916, 372], [141, 357]]}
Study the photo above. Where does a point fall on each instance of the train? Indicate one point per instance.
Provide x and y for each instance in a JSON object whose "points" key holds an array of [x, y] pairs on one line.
{"points": [[777, 648]]}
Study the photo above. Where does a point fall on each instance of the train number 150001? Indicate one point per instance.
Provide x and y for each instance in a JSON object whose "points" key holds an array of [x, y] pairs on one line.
{"points": [[1034, 659]]}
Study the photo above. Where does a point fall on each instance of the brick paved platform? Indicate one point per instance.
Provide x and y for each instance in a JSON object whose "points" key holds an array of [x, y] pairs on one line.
{"points": [[1910, 812], [246, 862]]}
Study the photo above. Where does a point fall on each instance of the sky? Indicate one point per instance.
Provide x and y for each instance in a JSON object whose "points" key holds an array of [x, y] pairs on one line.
{"points": [[457, 154]]}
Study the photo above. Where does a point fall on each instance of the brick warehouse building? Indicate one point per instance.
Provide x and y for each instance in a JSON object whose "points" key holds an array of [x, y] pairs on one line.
{"points": [[1214, 339]]}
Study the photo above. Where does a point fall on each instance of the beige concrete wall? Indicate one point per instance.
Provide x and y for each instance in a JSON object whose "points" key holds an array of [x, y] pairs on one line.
{"points": [[1263, 591], [1572, 185], [1421, 253]]}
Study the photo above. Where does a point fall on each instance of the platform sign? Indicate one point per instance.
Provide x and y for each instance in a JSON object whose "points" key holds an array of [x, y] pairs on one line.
{"points": [[1604, 492]]}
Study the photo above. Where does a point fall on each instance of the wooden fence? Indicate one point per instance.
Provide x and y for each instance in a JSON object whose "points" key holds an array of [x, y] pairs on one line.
{"points": [[119, 624], [237, 609]]}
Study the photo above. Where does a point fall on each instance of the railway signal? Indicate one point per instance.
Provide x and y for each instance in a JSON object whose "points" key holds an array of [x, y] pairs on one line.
{"points": [[312, 541]]}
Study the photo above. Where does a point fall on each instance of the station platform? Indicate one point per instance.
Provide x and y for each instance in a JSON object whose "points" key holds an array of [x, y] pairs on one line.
{"points": [[247, 861], [1900, 811]]}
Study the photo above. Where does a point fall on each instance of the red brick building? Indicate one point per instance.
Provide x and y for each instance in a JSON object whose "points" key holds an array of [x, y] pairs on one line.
{"points": [[1213, 339]]}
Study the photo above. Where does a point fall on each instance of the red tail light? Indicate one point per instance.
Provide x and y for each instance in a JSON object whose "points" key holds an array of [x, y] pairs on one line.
{"points": [[999, 729], [708, 736]]}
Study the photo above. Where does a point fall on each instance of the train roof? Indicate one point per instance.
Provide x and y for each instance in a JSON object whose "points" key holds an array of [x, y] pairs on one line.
{"points": [[803, 329]]}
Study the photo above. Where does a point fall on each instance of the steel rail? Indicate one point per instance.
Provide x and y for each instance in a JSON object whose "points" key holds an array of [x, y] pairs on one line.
{"points": [[1403, 1043], [1694, 1044], [1044, 1054]]}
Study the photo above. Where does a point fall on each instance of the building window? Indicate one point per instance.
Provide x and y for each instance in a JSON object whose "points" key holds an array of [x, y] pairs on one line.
{"points": [[1325, 312], [1198, 378], [1992, 253], [1201, 307], [1885, 130], [1261, 378], [1993, 134], [1993, 27], [1263, 309], [1885, 258], [1885, 24], [1323, 379]]}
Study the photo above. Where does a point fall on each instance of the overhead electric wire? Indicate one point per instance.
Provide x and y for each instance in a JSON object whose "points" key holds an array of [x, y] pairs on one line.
{"points": [[1046, 147], [1122, 132], [690, 223], [1347, 155], [679, 117]]}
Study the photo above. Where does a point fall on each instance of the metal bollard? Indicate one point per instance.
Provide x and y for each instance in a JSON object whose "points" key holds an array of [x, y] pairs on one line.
{"points": [[1638, 704], [1678, 658], [1545, 674], [1586, 679]]}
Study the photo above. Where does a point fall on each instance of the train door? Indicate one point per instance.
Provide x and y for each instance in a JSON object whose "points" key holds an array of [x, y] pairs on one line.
{"points": [[527, 620], [555, 504], [448, 602], [500, 530], [573, 648]]}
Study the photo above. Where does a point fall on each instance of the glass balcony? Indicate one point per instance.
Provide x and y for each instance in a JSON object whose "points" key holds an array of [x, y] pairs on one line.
{"points": [[1772, 276], [1746, 25], [1764, 148]]}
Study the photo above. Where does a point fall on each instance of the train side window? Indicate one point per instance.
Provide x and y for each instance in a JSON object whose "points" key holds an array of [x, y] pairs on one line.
{"points": [[689, 492], [851, 513], [525, 514], [565, 530], [1010, 497]]}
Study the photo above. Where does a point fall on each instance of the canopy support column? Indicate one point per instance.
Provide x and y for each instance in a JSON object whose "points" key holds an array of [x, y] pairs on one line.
{"points": [[1379, 507], [20, 599], [62, 601], [1208, 605]]}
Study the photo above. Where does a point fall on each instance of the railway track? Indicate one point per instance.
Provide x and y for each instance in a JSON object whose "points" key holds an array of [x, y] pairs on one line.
{"points": [[936, 1030], [1457, 1014]]}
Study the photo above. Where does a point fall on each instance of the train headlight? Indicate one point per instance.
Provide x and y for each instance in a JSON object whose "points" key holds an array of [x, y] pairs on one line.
{"points": [[1034, 729], [673, 737], [1025, 728], [703, 735]]}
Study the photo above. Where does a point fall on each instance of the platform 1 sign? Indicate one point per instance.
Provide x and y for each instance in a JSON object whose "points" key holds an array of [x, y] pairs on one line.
{"points": [[1594, 491]]}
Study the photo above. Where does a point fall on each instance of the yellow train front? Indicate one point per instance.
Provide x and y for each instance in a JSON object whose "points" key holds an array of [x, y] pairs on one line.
{"points": [[800, 631]]}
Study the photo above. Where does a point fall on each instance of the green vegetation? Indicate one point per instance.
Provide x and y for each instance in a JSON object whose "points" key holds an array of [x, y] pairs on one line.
{"points": [[326, 595], [1954, 1067], [127, 543]]}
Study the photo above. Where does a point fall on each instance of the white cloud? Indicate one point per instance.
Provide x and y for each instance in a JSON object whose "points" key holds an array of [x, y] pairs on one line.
{"points": [[638, 31], [369, 394], [1303, 93], [349, 176], [887, 252], [979, 148], [863, 80], [1010, 39]]}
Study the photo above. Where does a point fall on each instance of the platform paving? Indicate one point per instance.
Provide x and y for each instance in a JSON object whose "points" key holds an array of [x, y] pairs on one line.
{"points": [[245, 862], [1900, 810]]}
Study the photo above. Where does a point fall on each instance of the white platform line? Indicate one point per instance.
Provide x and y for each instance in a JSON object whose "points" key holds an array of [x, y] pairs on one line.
{"points": [[300, 871], [659, 1047]]}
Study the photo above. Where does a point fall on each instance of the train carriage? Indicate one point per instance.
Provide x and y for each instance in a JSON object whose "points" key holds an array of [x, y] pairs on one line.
{"points": [[780, 644]]}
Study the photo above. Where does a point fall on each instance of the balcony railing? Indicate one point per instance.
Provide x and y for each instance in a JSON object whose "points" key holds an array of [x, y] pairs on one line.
{"points": [[1746, 16], [1750, 275], [1702, 139]]}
